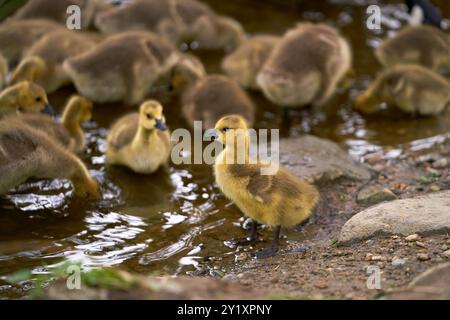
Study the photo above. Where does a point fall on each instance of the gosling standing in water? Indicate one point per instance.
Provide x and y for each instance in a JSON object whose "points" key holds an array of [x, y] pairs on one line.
{"points": [[140, 141], [411, 88], [68, 131], [278, 200], [29, 153], [24, 97]]}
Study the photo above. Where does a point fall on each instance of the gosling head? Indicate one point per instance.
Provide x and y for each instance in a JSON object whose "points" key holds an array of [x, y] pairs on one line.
{"points": [[384, 89], [24, 96], [229, 128], [186, 71], [78, 110], [151, 116], [29, 69]]}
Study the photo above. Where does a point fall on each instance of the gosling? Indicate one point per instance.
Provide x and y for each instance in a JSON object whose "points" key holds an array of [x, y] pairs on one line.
{"points": [[278, 200], [305, 66], [68, 131], [121, 68], [176, 20], [4, 69], [207, 98], [42, 64], [424, 45], [412, 88], [140, 141], [28, 153], [244, 63], [24, 97], [17, 36]]}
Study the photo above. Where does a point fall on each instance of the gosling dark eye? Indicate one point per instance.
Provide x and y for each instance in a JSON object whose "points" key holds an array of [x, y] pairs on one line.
{"points": [[149, 116], [225, 129], [38, 99]]}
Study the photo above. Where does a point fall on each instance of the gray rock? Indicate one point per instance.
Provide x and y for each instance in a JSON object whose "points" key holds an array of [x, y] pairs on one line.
{"points": [[314, 159], [431, 284], [398, 263], [424, 214], [371, 195], [446, 254]]}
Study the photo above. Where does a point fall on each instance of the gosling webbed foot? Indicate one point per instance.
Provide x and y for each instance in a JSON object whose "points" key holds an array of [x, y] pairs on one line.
{"points": [[272, 250], [265, 253]]}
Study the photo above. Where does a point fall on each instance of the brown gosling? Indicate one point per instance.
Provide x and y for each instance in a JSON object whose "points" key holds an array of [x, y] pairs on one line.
{"points": [[68, 131], [122, 67], [42, 64], [244, 63], [57, 10], [277, 200], [412, 88], [305, 66], [24, 97], [17, 36], [424, 45], [140, 141], [207, 98], [176, 20], [29, 153]]}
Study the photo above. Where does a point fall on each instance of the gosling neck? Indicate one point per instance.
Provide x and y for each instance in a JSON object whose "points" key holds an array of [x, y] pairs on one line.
{"points": [[8, 102], [143, 136], [74, 128], [80, 177]]}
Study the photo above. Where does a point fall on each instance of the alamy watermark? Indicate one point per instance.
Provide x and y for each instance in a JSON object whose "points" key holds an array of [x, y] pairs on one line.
{"points": [[73, 21]]}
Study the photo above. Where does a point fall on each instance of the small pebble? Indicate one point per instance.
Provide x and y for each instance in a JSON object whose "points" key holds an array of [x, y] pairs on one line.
{"points": [[440, 164], [420, 244], [423, 256], [434, 188], [398, 262], [446, 254], [444, 247], [412, 237]]}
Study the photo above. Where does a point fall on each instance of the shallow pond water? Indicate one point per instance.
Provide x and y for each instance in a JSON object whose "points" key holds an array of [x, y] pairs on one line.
{"points": [[176, 221]]}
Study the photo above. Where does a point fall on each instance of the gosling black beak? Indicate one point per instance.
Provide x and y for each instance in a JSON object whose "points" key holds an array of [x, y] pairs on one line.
{"points": [[48, 109], [160, 125]]}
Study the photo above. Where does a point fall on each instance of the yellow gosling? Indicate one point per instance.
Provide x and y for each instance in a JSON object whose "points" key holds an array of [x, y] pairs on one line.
{"points": [[140, 141], [24, 96], [278, 200], [68, 132], [29, 153], [411, 88]]}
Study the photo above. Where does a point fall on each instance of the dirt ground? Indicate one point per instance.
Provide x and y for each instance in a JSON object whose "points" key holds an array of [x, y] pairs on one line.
{"points": [[323, 269]]}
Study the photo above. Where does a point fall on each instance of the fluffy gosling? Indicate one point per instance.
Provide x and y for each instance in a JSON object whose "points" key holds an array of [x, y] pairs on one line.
{"points": [[29, 153], [24, 96], [140, 141], [17, 36], [412, 88], [68, 131], [278, 200], [244, 63], [305, 66], [176, 20], [122, 67], [424, 45], [42, 63]]}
